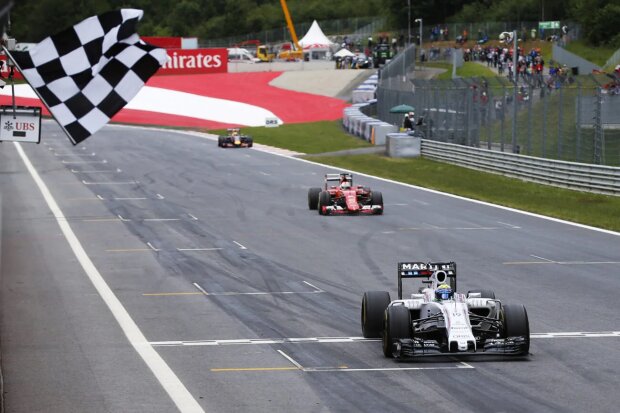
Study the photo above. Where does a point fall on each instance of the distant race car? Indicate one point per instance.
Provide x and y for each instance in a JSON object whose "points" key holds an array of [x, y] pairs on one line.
{"points": [[437, 321], [235, 139], [344, 197]]}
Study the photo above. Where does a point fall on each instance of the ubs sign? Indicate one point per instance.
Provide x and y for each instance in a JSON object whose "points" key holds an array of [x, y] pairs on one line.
{"points": [[20, 125]]}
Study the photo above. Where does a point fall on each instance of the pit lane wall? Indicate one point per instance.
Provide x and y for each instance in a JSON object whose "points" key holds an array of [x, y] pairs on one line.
{"points": [[571, 175]]}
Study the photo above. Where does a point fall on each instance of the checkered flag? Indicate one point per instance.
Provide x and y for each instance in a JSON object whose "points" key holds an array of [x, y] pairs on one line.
{"points": [[86, 74]]}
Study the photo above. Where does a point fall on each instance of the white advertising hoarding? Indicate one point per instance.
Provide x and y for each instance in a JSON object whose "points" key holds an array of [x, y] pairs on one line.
{"points": [[20, 124]]}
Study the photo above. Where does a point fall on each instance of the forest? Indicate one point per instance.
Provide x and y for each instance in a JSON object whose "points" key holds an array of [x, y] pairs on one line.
{"points": [[31, 21]]}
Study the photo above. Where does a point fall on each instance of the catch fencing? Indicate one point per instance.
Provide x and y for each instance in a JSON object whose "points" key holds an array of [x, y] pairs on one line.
{"points": [[568, 118]]}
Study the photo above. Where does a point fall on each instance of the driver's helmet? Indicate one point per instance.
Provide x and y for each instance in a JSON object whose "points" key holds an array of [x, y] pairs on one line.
{"points": [[444, 292], [345, 185]]}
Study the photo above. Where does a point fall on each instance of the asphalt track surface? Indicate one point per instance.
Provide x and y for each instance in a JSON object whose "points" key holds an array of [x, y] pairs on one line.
{"points": [[248, 301]]}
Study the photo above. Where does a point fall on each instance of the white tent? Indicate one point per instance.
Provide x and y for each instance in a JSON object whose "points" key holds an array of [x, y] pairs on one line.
{"points": [[315, 39]]}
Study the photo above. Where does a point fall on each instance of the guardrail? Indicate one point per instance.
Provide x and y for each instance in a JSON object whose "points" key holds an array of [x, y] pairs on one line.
{"points": [[578, 176]]}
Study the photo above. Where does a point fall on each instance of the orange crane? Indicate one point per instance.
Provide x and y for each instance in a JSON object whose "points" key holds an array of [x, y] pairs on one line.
{"points": [[297, 52]]}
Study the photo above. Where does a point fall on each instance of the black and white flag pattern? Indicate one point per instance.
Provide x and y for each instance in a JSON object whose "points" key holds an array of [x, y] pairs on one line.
{"points": [[86, 74]]}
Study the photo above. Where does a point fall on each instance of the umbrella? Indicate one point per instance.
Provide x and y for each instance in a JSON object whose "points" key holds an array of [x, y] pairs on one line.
{"points": [[344, 53], [402, 109]]}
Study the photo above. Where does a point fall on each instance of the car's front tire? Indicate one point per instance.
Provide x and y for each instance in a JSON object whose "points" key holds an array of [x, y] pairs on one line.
{"points": [[396, 325], [374, 304], [516, 324], [376, 198], [313, 198], [324, 201]]}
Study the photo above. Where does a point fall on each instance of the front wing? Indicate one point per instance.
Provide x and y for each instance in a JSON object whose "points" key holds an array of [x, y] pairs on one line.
{"points": [[364, 209], [412, 348]]}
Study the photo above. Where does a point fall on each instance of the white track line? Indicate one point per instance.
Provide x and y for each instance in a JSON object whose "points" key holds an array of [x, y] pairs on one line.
{"points": [[314, 286], [202, 290], [541, 258], [181, 397], [110, 183], [152, 247], [331, 340], [199, 249], [289, 358], [240, 246], [83, 162]]}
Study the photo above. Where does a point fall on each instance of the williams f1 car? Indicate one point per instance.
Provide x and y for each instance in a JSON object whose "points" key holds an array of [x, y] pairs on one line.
{"points": [[437, 321], [340, 196], [235, 139]]}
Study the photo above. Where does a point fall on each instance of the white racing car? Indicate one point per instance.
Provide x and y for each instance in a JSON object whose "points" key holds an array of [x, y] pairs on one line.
{"points": [[438, 321]]}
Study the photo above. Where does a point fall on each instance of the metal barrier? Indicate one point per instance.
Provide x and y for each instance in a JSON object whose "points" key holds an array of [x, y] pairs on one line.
{"points": [[584, 177]]}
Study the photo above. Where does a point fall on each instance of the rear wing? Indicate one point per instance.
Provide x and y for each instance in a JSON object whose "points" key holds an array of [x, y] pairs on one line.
{"points": [[344, 176], [425, 270]]}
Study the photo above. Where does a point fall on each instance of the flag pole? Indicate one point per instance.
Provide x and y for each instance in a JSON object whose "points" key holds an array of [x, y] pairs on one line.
{"points": [[8, 54]]}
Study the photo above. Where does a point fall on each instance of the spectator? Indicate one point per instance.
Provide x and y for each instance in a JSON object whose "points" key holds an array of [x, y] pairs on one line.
{"points": [[407, 123], [533, 33], [499, 109]]}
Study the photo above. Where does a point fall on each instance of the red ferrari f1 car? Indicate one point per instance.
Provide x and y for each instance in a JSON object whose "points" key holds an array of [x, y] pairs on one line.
{"points": [[340, 196]]}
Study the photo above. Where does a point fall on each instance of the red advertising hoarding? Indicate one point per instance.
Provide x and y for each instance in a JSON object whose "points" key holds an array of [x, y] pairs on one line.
{"points": [[182, 61], [195, 61], [163, 41]]}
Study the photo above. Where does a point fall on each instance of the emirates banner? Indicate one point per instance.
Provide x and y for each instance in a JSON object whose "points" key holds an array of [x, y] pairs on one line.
{"points": [[195, 61]]}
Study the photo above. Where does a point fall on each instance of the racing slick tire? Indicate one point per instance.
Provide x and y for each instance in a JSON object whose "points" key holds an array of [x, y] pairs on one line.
{"points": [[324, 200], [313, 198], [374, 304], [396, 325], [376, 198], [516, 324], [250, 142], [220, 142], [483, 293]]}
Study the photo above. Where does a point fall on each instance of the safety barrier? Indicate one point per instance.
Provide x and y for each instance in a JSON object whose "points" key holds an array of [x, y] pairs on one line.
{"points": [[366, 127], [578, 176]]}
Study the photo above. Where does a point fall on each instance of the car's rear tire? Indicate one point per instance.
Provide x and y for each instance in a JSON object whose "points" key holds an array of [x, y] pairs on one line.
{"points": [[324, 200], [396, 325], [376, 198], [313, 198], [516, 323], [483, 293], [374, 304]]}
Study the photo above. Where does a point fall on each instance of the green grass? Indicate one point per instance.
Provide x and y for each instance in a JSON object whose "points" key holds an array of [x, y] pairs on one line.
{"points": [[585, 208], [595, 54], [309, 138], [469, 69]]}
